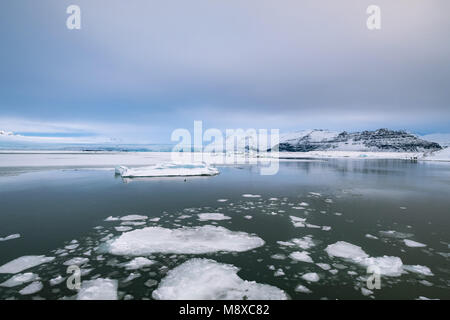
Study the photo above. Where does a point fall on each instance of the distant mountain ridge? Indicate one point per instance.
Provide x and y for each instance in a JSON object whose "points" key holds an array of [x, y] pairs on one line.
{"points": [[378, 140]]}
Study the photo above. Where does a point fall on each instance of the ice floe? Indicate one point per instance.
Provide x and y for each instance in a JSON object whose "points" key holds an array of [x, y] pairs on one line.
{"points": [[23, 263], [311, 277], [123, 228], [19, 279], [423, 270], [78, 261], [98, 289], [301, 288], [204, 279], [212, 216], [248, 195], [133, 217], [301, 256], [10, 237], [32, 288], [170, 169], [413, 244], [189, 240], [137, 263], [385, 265]]}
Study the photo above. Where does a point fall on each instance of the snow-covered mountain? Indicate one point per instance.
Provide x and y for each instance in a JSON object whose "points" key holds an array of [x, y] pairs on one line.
{"points": [[378, 140]]}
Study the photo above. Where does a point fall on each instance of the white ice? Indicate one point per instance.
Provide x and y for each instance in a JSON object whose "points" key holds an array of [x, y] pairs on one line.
{"points": [[311, 277], [23, 263], [423, 270], [10, 237], [98, 289], [169, 169], [301, 256], [137, 263], [19, 279], [78, 261], [133, 217], [32, 288], [342, 249], [302, 289], [248, 195], [204, 279], [195, 240], [413, 244], [212, 216]]}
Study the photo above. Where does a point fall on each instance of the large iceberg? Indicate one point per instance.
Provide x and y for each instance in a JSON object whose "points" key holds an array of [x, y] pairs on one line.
{"points": [[205, 279], [194, 240], [171, 169]]}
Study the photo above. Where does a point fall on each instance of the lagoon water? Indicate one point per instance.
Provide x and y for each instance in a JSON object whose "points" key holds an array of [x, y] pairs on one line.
{"points": [[390, 200]]}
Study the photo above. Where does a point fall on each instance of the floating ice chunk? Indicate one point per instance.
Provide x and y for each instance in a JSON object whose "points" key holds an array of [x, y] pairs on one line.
{"points": [[132, 276], [326, 228], [311, 277], [248, 217], [342, 249], [204, 279], [32, 288], [305, 243], [132, 223], [286, 243], [279, 273], [10, 237], [154, 219], [212, 216], [222, 200], [248, 195], [371, 236], [419, 269], [111, 218], [302, 289], [303, 204], [297, 222], [133, 217], [366, 292], [137, 263], [315, 194], [78, 261], [23, 263], [278, 256], [57, 280], [324, 266], [301, 256], [273, 199], [170, 169], [71, 246], [395, 234], [386, 265], [413, 244], [19, 279], [98, 289], [193, 240], [308, 225], [123, 228]]}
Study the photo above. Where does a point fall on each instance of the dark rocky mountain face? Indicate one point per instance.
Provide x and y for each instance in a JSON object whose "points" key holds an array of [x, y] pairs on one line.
{"points": [[378, 140]]}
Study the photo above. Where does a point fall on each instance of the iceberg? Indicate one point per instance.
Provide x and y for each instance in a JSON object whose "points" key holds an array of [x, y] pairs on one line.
{"points": [[23, 263], [98, 289], [186, 240], [170, 169], [205, 279]]}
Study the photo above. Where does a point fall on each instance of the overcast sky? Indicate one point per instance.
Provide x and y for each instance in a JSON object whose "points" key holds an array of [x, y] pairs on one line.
{"points": [[138, 69]]}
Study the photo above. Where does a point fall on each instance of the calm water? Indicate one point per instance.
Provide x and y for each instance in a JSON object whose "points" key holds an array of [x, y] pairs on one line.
{"points": [[50, 208]]}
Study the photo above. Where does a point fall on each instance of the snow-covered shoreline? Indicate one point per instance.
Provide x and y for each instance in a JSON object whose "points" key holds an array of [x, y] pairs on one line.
{"points": [[76, 159]]}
